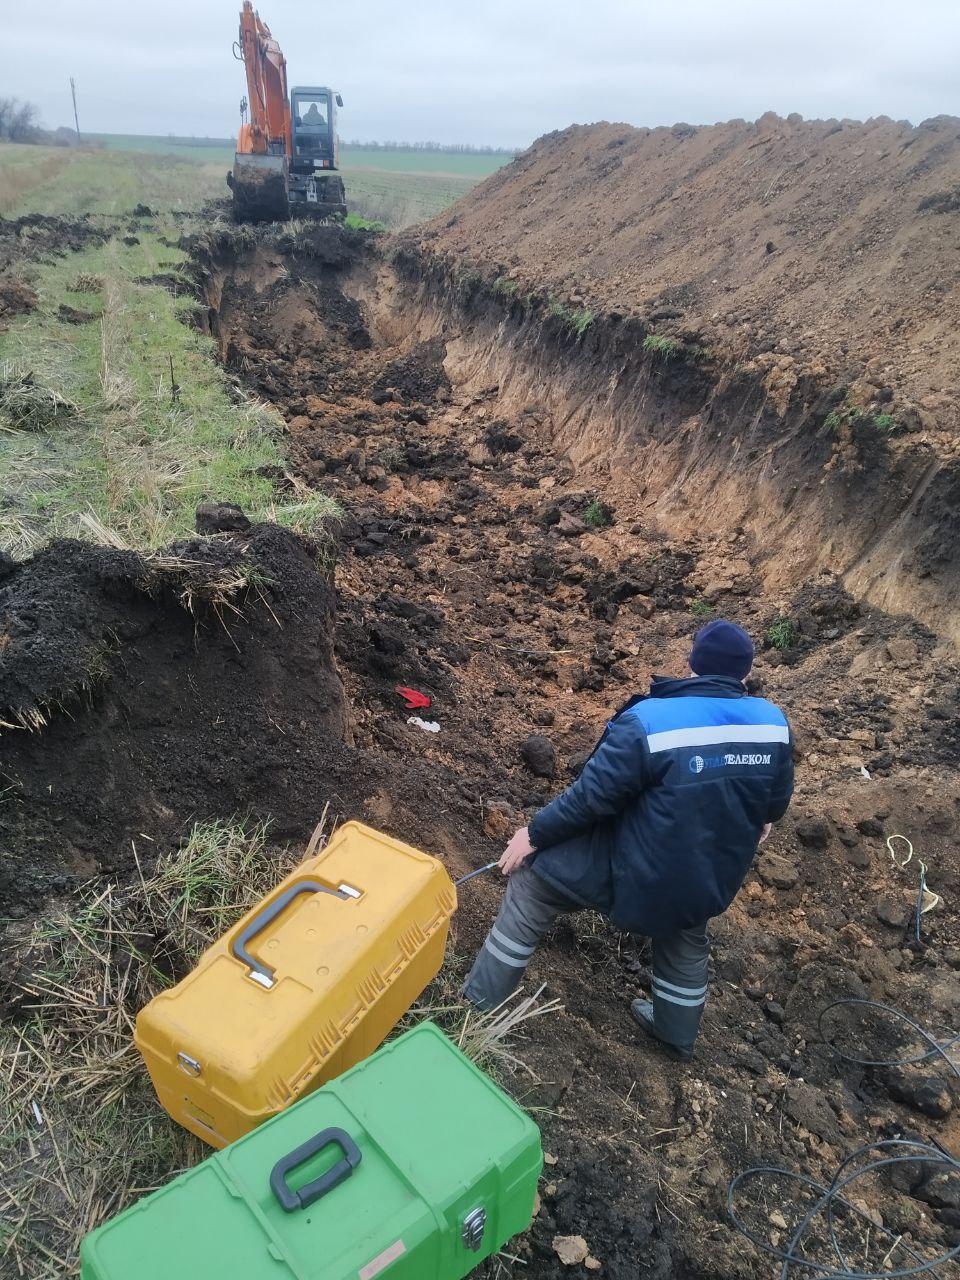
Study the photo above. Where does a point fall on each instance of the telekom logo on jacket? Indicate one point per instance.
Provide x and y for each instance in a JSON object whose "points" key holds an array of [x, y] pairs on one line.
{"points": [[697, 764]]}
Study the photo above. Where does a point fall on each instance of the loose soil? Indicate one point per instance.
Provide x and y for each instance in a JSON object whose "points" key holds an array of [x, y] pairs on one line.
{"points": [[139, 695], [36, 236], [16, 298], [822, 239], [492, 559]]}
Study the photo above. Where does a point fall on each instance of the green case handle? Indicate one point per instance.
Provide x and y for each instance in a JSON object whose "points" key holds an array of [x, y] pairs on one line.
{"points": [[259, 971], [291, 1201]]}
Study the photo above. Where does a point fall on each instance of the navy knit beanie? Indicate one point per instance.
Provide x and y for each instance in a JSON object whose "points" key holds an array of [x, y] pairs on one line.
{"points": [[722, 649]]}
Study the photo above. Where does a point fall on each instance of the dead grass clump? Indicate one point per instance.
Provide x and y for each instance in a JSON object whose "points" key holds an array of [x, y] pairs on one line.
{"points": [[488, 1039], [225, 238], [80, 1129], [28, 402], [195, 582], [87, 282]]}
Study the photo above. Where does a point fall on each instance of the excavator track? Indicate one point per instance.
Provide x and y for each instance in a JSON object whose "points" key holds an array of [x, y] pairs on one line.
{"points": [[327, 200]]}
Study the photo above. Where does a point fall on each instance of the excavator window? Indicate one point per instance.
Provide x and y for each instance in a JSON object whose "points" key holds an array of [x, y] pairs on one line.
{"points": [[312, 111]]}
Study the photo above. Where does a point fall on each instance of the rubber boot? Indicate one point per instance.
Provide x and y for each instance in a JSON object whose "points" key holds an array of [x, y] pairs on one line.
{"points": [[642, 1011]]}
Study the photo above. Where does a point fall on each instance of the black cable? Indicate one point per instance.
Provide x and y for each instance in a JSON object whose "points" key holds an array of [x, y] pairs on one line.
{"points": [[830, 1198], [936, 1050]]}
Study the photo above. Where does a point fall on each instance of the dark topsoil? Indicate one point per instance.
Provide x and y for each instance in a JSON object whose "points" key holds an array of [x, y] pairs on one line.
{"points": [[37, 236], [16, 298], [468, 571], [160, 706]]}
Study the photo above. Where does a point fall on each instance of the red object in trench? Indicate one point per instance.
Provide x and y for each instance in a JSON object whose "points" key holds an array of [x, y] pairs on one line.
{"points": [[412, 697]]}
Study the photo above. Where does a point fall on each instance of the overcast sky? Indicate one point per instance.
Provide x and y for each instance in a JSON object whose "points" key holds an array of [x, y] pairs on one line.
{"points": [[492, 71]]}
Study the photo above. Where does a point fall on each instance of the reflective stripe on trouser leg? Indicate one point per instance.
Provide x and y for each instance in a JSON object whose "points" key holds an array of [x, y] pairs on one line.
{"points": [[680, 972], [529, 908]]}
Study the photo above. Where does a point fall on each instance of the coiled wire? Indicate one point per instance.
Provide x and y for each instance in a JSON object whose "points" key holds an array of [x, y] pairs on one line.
{"points": [[938, 1049], [829, 1198]]}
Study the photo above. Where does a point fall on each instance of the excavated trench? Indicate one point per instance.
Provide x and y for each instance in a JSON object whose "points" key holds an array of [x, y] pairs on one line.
{"points": [[694, 446], [533, 523]]}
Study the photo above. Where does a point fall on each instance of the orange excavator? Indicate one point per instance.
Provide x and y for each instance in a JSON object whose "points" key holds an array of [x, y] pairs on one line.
{"points": [[288, 153]]}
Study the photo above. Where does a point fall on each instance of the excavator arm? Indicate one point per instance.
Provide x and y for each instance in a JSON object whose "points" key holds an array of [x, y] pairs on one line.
{"points": [[261, 166], [266, 68]]}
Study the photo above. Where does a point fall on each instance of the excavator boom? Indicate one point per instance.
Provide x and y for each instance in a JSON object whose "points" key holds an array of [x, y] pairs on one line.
{"points": [[266, 68], [261, 166]]}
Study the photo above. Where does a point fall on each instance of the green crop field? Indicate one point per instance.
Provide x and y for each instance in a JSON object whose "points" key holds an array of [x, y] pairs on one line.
{"points": [[449, 164], [460, 164], [167, 173], [205, 149]]}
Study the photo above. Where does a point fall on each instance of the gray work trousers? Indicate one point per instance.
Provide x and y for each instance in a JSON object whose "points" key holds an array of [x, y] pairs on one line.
{"points": [[531, 905]]}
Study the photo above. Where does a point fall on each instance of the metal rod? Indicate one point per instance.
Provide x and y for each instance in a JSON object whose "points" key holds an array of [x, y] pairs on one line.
{"points": [[479, 872]]}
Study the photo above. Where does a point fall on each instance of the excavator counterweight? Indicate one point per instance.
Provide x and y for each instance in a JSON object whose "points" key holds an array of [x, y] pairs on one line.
{"points": [[288, 153]]}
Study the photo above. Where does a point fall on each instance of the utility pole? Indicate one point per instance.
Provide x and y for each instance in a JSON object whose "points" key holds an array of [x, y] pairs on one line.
{"points": [[76, 120]]}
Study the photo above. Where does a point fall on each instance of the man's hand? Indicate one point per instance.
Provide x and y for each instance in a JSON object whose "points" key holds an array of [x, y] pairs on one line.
{"points": [[516, 851], [765, 832]]}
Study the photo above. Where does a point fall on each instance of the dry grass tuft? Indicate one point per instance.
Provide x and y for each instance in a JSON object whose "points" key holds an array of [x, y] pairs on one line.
{"points": [[87, 282], [90, 526], [28, 402], [488, 1039], [81, 1133]]}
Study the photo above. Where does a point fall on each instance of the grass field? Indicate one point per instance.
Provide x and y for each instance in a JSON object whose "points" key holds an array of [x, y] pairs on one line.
{"points": [[449, 164], [93, 438], [393, 187], [219, 149], [58, 180]]}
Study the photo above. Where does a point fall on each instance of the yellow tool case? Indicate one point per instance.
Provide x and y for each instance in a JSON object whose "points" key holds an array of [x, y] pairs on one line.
{"points": [[305, 985]]}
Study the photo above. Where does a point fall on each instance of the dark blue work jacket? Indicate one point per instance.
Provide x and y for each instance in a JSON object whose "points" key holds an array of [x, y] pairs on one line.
{"points": [[661, 826]]}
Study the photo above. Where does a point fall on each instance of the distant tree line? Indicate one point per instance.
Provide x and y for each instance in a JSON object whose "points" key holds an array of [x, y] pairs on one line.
{"points": [[452, 148], [20, 122]]}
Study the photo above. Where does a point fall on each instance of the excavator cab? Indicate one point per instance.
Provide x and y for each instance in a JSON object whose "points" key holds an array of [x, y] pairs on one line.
{"points": [[314, 185]]}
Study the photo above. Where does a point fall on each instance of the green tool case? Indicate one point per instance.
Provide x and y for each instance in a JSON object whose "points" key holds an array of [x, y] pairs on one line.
{"points": [[412, 1166]]}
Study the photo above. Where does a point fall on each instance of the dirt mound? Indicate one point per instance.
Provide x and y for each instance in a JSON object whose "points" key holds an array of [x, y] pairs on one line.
{"points": [[37, 235], [823, 240], [16, 298], [747, 325], [141, 693]]}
